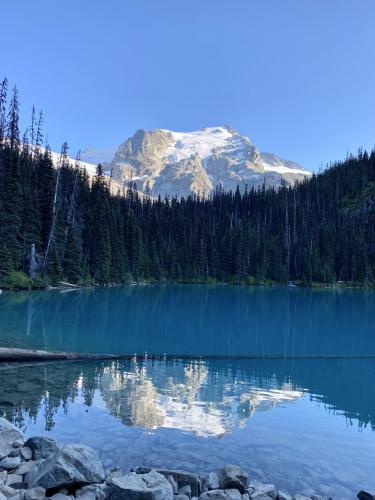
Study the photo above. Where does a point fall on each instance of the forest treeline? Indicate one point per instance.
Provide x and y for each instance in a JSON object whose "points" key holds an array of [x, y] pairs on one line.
{"points": [[57, 224]]}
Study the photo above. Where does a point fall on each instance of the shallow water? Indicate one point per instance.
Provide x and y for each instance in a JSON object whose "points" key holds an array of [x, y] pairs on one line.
{"points": [[305, 424]]}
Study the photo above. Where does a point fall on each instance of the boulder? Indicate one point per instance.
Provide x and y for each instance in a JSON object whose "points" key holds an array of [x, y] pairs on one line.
{"points": [[25, 467], [363, 495], [93, 492], [232, 476], [259, 490], [8, 491], [173, 484], [14, 480], [10, 463], [135, 486], [181, 477], [185, 490], [41, 447], [61, 496], [37, 493], [9, 434], [284, 495], [26, 453], [227, 494], [71, 465], [211, 482]]}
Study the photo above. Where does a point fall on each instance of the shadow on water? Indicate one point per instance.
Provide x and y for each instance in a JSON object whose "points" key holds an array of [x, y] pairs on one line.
{"points": [[192, 320]]}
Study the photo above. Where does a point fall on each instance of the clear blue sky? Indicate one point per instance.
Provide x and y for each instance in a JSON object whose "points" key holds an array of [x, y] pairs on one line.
{"points": [[296, 76]]}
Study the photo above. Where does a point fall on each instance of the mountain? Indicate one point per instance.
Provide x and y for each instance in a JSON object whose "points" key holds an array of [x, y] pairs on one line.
{"points": [[182, 163]]}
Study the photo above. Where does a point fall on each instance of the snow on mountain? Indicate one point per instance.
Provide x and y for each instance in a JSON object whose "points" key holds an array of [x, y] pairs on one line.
{"points": [[181, 163]]}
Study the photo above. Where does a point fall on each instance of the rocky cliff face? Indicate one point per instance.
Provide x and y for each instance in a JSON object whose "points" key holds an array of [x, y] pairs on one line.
{"points": [[179, 164]]}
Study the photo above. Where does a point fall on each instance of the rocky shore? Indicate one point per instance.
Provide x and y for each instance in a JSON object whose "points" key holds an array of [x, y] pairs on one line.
{"points": [[39, 468]]}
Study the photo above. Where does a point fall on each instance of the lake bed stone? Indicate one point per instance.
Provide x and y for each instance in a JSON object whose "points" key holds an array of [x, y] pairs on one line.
{"points": [[37, 493], [26, 453], [9, 434], [224, 494], [181, 477], [41, 447], [211, 481], [136, 486], [232, 476], [10, 463], [71, 465], [185, 490]]}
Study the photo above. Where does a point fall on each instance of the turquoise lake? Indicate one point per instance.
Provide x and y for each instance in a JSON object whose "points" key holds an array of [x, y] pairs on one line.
{"points": [[304, 420]]}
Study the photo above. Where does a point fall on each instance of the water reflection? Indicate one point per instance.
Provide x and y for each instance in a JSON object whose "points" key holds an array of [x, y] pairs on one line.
{"points": [[192, 320], [207, 398], [296, 423]]}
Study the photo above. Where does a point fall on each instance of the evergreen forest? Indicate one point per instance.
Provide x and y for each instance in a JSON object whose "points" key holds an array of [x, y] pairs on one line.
{"points": [[58, 224]]}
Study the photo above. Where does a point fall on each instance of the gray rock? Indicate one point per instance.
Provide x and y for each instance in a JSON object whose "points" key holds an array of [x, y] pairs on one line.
{"points": [[14, 480], [41, 447], [10, 463], [185, 490], [61, 496], [284, 495], [3, 477], [133, 486], [37, 493], [262, 490], [93, 492], [301, 497], [8, 435], [211, 481], [72, 465], [320, 497], [15, 453], [363, 495], [26, 453], [245, 496], [8, 491], [180, 497], [25, 467], [2, 496], [173, 484], [17, 496], [232, 476], [17, 443], [226, 494], [181, 477]]}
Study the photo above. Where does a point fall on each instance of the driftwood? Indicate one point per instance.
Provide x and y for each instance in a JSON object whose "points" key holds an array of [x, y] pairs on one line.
{"points": [[14, 354]]}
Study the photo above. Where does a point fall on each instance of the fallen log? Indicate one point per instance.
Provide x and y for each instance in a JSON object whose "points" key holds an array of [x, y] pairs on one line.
{"points": [[15, 354]]}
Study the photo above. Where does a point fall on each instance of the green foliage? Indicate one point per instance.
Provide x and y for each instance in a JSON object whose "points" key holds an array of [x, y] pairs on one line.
{"points": [[18, 279]]}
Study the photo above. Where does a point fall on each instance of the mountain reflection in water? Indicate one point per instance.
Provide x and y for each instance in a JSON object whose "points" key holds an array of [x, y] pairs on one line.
{"points": [[208, 398], [295, 423]]}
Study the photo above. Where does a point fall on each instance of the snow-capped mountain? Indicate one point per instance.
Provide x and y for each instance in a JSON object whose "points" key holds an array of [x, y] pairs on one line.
{"points": [[180, 163]]}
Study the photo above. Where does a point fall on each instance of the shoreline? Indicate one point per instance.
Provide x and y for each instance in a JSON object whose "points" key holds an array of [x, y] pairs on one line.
{"points": [[64, 288], [39, 468], [15, 354]]}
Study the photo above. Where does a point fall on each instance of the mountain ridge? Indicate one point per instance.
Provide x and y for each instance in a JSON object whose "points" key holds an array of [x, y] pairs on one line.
{"points": [[170, 163]]}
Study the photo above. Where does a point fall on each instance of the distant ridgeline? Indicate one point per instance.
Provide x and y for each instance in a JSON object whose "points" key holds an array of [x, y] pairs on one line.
{"points": [[58, 224]]}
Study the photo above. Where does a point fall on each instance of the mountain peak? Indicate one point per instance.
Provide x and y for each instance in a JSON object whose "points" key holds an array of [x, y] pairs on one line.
{"points": [[181, 163]]}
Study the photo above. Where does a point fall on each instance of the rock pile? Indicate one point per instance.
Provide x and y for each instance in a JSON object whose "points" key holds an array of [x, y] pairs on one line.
{"points": [[40, 467]]}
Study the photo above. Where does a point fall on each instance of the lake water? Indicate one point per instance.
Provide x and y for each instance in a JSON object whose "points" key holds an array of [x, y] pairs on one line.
{"points": [[304, 423]]}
